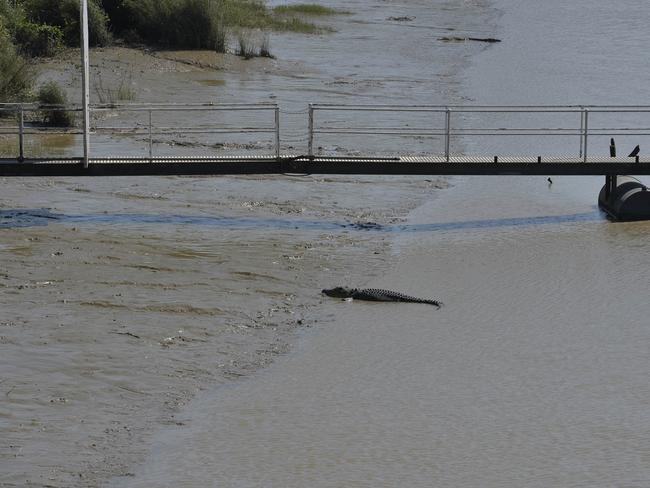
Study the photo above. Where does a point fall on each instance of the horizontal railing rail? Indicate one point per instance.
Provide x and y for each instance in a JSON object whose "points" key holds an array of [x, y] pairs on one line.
{"points": [[27, 122], [454, 113], [447, 123]]}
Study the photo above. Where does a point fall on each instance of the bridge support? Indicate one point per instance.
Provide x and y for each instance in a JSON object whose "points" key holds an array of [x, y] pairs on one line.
{"points": [[624, 198], [610, 185]]}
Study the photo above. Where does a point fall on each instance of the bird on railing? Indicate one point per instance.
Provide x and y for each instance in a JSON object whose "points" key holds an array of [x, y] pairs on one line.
{"points": [[612, 148], [635, 152], [550, 181]]}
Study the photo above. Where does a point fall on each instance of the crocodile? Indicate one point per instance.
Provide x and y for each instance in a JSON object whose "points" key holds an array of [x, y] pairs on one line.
{"points": [[462, 39], [376, 295]]}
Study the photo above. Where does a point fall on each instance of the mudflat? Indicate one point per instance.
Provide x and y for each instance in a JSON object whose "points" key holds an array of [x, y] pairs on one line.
{"points": [[122, 298]]}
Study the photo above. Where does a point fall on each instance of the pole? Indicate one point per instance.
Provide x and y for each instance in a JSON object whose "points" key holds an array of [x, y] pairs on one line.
{"points": [[21, 135], [277, 132], [447, 132], [585, 133], [150, 135], [310, 144], [85, 86], [582, 125]]}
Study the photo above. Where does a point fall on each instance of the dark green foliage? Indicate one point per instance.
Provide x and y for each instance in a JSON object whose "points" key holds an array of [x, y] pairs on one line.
{"points": [[40, 27], [186, 24], [16, 75], [51, 97], [65, 15], [11, 15], [38, 39], [120, 19]]}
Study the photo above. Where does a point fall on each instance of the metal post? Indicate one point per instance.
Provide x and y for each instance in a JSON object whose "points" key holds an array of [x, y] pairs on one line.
{"points": [[85, 85], [277, 132], [310, 145], [150, 136], [582, 125], [21, 135], [585, 133], [447, 133]]}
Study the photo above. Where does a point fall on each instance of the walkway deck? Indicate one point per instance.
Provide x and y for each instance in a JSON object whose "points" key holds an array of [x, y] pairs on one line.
{"points": [[405, 165]]}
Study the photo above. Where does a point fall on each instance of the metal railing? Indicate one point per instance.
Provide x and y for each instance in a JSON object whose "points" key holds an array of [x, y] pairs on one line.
{"points": [[448, 114], [449, 123], [29, 121]]}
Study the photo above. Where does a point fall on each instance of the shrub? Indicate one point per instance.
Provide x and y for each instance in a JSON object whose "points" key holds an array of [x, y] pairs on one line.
{"points": [[11, 14], [16, 75], [187, 24], [51, 97], [196, 24], [251, 45], [65, 15], [39, 39]]}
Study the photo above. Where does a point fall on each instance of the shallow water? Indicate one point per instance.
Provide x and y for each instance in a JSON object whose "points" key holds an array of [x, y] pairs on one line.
{"points": [[534, 373]]}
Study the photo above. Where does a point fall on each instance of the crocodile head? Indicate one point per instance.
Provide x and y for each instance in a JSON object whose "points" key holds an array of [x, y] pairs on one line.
{"points": [[339, 292]]}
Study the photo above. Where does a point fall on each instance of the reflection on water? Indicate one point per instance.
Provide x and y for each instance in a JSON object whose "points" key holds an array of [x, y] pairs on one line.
{"points": [[39, 145]]}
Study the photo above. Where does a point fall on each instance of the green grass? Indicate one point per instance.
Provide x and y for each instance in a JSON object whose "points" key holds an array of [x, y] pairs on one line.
{"points": [[253, 14], [41, 27], [307, 9]]}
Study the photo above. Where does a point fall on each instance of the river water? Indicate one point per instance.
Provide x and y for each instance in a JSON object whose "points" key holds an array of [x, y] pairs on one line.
{"points": [[533, 374]]}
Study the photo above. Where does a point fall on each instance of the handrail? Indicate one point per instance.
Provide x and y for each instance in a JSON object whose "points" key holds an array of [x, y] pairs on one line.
{"points": [[449, 122], [150, 130], [583, 132]]}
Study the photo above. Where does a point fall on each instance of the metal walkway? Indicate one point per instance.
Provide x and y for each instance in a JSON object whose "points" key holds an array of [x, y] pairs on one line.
{"points": [[432, 132], [456, 165]]}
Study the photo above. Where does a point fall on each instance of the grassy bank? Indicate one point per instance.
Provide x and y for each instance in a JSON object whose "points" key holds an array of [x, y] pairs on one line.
{"points": [[40, 27], [37, 28]]}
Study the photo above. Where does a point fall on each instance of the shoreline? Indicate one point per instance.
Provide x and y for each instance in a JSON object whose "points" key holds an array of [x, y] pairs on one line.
{"points": [[130, 322]]}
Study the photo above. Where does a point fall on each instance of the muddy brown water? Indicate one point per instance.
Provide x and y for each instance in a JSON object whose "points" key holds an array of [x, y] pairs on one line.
{"points": [[143, 294]]}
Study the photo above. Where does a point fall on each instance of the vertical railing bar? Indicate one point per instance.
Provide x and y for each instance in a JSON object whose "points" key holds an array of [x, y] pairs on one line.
{"points": [[85, 81], [150, 135], [582, 124], [586, 132], [21, 135], [277, 132], [447, 132], [310, 143]]}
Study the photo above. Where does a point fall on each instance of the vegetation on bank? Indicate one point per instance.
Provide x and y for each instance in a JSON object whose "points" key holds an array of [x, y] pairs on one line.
{"points": [[16, 75], [40, 28], [52, 98]]}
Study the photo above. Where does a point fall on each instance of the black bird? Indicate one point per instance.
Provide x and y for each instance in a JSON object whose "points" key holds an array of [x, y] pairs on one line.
{"points": [[635, 152], [550, 181], [612, 148]]}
